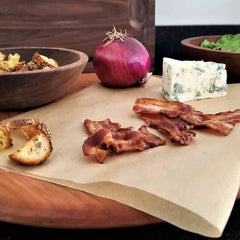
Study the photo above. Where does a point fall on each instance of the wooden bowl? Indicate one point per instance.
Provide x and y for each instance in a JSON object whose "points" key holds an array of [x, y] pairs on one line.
{"points": [[30, 89], [231, 59]]}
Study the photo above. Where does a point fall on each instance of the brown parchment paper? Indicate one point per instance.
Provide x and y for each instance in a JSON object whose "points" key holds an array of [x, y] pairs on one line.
{"points": [[193, 187]]}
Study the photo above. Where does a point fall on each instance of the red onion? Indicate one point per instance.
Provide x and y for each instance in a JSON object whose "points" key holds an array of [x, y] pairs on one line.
{"points": [[121, 61]]}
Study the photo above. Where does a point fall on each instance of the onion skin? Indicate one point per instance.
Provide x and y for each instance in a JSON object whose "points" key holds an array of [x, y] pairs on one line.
{"points": [[121, 64]]}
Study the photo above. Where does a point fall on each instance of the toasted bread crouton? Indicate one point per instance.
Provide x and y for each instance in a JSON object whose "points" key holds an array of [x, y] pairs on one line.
{"points": [[32, 66], [44, 62], [25, 68], [35, 151], [4, 66], [18, 67], [13, 61], [29, 127], [12, 64], [2, 56], [5, 139]]}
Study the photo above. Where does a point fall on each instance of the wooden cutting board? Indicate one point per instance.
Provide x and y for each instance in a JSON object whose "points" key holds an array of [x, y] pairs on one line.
{"points": [[29, 201]]}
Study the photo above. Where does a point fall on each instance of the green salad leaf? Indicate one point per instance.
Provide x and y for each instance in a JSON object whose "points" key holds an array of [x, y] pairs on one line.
{"points": [[237, 35], [227, 42], [208, 44]]}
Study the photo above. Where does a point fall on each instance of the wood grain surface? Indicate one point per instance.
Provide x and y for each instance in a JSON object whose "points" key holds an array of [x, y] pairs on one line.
{"points": [[84, 80], [36, 203], [74, 24], [28, 89], [29, 201]]}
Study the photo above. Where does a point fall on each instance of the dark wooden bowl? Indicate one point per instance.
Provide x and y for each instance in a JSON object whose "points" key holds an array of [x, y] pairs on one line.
{"points": [[30, 89], [231, 59]]}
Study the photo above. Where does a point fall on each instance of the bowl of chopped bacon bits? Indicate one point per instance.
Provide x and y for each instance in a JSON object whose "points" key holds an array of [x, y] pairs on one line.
{"points": [[34, 76]]}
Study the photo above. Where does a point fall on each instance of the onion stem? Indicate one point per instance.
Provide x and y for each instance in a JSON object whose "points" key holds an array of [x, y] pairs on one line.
{"points": [[114, 34]]}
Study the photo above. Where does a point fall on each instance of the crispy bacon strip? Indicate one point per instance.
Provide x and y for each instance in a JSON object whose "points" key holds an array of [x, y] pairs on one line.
{"points": [[199, 119], [130, 139], [108, 137], [178, 129], [151, 105], [97, 145], [232, 117], [93, 126], [184, 111]]}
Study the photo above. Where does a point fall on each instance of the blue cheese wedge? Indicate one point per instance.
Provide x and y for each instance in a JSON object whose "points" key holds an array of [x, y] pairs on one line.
{"points": [[190, 80]]}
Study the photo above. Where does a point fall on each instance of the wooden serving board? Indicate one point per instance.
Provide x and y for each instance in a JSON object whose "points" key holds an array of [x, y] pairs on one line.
{"points": [[29, 201]]}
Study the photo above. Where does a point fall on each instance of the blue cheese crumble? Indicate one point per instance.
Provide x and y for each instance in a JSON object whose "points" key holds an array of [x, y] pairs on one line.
{"points": [[189, 80]]}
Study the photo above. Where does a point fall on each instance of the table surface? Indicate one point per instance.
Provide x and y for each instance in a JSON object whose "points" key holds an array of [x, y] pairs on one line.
{"points": [[152, 231]]}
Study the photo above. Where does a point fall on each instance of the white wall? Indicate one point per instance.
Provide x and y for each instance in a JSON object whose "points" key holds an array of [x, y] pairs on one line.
{"points": [[197, 12]]}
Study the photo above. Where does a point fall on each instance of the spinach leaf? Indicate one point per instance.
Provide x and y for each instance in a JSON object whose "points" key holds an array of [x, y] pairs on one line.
{"points": [[237, 35], [227, 42], [224, 40], [207, 44], [232, 45]]}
